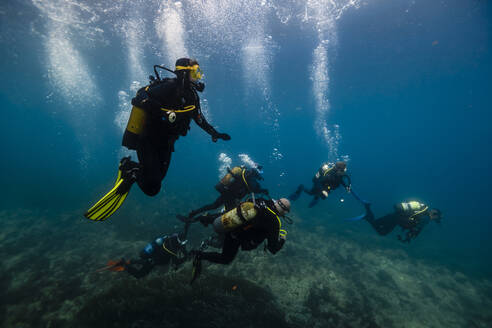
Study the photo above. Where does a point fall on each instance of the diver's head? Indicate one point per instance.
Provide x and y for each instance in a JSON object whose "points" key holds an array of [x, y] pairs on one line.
{"points": [[189, 70], [435, 215], [282, 206], [340, 167]]}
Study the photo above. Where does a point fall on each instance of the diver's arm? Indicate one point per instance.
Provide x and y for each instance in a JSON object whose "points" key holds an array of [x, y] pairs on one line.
{"points": [[275, 244], [347, 184], [411, 234], [208, 218], [202, 122], [146, 265]]}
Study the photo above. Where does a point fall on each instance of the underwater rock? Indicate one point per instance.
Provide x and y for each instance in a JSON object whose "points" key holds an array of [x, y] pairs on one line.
{"points": [[316, 280]]}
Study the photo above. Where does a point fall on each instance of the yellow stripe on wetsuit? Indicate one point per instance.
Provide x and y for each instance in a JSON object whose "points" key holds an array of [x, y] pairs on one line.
{"points": [[281, 232]]}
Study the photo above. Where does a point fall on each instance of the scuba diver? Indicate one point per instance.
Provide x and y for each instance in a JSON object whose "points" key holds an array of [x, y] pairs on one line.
{"points": [[328, 178], [410, 216], [161, 113], [245, 227], [162, 251], [234, 186]]}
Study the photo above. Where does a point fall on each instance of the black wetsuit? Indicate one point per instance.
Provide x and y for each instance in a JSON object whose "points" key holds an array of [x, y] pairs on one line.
{"points": [[170, 251], [411, 225], [161, 130], [231, 196], [265, 226], [328, 183]]}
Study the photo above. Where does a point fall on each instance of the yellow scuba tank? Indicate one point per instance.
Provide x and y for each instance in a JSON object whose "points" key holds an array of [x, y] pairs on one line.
{"points": [[228, 179], [235, 218], [413, 208], [134, 128]]}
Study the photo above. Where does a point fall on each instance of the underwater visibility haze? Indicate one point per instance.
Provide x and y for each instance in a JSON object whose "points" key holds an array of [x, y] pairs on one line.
{"points": [[397, 89]]}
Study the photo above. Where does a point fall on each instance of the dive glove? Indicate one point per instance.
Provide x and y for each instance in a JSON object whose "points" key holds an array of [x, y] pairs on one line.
{"points": [[223, 136]]}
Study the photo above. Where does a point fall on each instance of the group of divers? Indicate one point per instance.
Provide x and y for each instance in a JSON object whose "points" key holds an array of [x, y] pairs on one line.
{"points": [[161, 113]]}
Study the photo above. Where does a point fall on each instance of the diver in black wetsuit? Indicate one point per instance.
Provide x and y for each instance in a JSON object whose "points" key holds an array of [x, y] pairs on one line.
{"points": [[234, 186], [328, 178], [245, 227], [166, 250], [161, 113], [411, 216], [170, 105]]}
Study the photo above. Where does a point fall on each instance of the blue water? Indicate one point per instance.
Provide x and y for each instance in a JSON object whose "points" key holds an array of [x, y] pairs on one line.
{"points": [[406, 82]]}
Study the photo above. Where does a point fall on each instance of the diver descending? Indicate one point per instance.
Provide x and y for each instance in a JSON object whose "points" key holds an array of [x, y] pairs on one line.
{"points": [[328, 178], [234, 186], [166, 250], [411, 216], [245, 227], [161, 113]]}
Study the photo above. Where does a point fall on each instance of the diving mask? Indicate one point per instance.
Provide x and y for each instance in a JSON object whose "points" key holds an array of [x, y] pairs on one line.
{"points": [[195, 71]]}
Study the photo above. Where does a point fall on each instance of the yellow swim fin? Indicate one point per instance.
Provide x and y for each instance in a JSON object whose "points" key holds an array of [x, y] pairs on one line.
{"points": [[112, 201]]}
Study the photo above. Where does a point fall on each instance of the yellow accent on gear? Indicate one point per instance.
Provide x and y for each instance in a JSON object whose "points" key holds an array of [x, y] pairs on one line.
{"points": [[227, 179], [236, 170], [136, 121], [412, 217], [325, 172], [195, 71], [244, 179], [186, 109], [279, 222], [231, 219], [188, 68], [109, 204], [167, 250]]}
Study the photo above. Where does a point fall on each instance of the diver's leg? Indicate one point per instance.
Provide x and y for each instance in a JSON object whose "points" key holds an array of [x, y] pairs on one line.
{"points": [[218, 202], [184, 233], [229, 251], [295, 195], [216, 240], [313, 191], [230, 203], [155, 163], [146, 265], [205, 219], [165, 155], [314, 201], [383, 225]]}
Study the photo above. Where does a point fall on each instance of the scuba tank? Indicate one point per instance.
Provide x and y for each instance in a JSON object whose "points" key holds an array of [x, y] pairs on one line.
{"points": [[413, 208], [235, 218], [228, 179], [136, 123], [134, 128], [324, 170]]}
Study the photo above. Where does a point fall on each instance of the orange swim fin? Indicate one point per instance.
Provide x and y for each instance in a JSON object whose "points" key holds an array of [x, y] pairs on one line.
{"points": [[114, 266]]}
